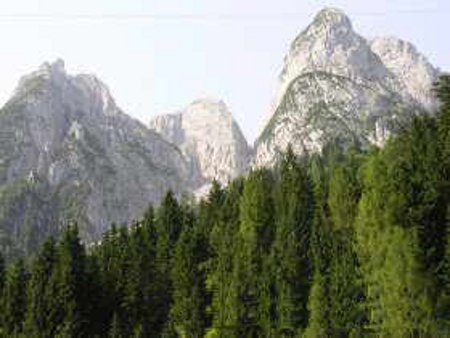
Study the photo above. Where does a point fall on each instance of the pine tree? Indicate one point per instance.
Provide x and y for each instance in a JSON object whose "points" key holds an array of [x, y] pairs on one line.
{"points": [[291, 260], [137, 302], [396, 288], [38, 293], [318, 324], [2, 284], [14, 299], [442, 91], [320, 247], [220, 280], [255, 238], [187, 311], [70, 311], [344, 278], [169, 225], [2, 274], [443, 303], [115, 330]]}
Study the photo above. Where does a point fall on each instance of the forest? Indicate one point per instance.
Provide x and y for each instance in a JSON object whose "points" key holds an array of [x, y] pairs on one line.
{"points": [[347, 243]]}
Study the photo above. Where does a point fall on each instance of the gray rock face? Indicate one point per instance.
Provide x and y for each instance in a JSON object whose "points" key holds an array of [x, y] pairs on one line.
{"points": [[336, 86], [410, 67], [209, 138], [64, 139]]}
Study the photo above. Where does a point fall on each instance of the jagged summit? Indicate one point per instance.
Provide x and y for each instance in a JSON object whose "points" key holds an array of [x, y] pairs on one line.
{"points": [[55, 66], [51, 78], [208, 135], [207, 108], [331, 45], [331, 17]]}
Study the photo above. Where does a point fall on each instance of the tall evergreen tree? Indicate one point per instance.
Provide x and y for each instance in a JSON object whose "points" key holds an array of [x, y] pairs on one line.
{"points": [[70, 279], [39, 305], [220, 279], [187, 311], [2, 274], [169, 226], [344, 277], [14, 299], [397, 294], [291, 259], [252, 273]]}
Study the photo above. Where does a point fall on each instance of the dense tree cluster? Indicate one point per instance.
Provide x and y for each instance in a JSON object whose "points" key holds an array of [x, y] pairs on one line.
{"points": [[346, 243]]}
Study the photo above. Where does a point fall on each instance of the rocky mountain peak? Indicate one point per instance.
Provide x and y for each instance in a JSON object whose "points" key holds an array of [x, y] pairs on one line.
{"points": [[330, 44], [332, 19], [54, 67], [209, 137], [206, 108], [337, 86]]}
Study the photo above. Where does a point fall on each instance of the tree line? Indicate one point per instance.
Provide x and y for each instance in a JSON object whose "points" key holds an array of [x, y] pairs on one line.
{"points": [[346, 243]]}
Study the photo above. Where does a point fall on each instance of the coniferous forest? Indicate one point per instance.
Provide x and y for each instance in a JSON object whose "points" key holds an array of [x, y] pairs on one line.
{"points": [[346, 243]]}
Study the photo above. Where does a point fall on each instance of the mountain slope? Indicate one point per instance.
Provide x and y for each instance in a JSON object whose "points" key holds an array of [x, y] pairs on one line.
{"points": [[410, 67], [68, 149]]}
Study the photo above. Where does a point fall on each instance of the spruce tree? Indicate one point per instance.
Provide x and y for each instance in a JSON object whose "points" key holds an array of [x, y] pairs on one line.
{"points": [[70, 311], [344, 277], [2, 274], [255, 237], [14, 299], [396, 287], [220, 281], [169, 225], [187, 311], [38, 292], [290, 255]]}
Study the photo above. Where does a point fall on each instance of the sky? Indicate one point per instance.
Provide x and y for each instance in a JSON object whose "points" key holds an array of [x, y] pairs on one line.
{"points": [[157, 56]]}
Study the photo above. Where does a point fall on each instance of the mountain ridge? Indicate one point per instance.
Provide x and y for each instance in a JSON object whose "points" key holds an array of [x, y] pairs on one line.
{"points": [[68, 152]]}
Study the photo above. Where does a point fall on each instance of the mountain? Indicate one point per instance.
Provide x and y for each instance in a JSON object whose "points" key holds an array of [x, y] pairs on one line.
{"points": [[336, 86], [210, 139], [67, 152]]}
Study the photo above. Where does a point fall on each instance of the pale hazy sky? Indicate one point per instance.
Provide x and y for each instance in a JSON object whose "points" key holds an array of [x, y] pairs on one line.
{"points": [[157, 56]]}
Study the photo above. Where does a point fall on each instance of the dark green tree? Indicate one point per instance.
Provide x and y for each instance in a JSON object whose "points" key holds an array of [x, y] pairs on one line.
{"points": [[344, 280], [169, 226], [187, 311], [38, 292], [70, 285], [396, 286], [220, 281], [252, 271], [14, 299], [291, 259]]}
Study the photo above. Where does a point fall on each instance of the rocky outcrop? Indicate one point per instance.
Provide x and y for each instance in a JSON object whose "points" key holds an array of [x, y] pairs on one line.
{"points": [[210, 139], [409, 66]]}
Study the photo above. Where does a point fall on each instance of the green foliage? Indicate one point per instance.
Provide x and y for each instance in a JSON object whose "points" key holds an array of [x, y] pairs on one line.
{"points": [[220, 280], [14, 299], [253, 271], [290, 254], [187, 311], [39, 303]]}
